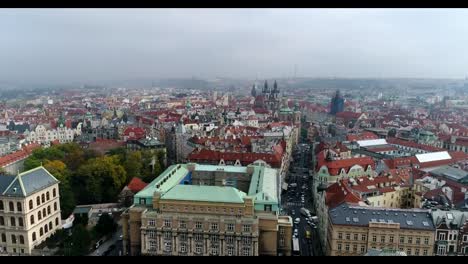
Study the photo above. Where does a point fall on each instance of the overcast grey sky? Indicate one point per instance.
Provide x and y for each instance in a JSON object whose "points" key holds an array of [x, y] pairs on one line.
{"points": [[62, 45]]}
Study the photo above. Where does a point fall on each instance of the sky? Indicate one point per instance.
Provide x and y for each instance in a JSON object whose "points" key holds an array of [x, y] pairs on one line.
{"points": [[67, 45]]}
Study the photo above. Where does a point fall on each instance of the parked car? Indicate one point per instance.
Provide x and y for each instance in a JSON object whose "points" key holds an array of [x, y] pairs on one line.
{"points": [[297, 221]]}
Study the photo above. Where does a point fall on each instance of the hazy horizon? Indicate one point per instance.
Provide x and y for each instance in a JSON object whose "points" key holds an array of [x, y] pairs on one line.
{"points": [[98, 45]]}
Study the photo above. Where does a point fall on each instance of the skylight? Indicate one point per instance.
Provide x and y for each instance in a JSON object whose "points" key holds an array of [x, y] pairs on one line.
{"points": [[410, 223]]}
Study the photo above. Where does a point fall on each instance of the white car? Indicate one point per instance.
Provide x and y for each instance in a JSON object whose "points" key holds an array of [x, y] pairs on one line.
{"points": [[297, 221]]}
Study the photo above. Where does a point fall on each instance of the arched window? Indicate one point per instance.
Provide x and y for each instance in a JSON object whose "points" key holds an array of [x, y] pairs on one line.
{"points": [[1, 206], [12, 207], [4, 238], [56, 221], [50, 225], [41, 232], [12, 221], [19, 207], [38, 201], [2, 221], [48, 210], [47, 196], [55, 206], [34, 236], [54, 193], [13, 239], [31, 205], [20, 221], [32, 220], [43, 198], [44, 212], [39, 217], [21, 240], [46, 228]]}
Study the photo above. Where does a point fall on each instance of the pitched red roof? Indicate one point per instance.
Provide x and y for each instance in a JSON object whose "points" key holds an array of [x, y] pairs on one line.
{"points": [[337, 194], [134, 133], [18, 155], [136, 185], [362, 136], [348, 115], [335, 166]]}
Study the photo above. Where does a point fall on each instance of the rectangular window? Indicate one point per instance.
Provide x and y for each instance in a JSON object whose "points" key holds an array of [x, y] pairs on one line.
{"points": [[418, 240], [363, 237], [425, 252], [340, 235], [347, 247], [410, 240], [465, 238], [182, 224], [246, 251], [354, 248], [441, 236], [382, 239], [152, 234], [281, 242], [356, 236], [426, 241], [339, 247], [152, 245], [363, 248], [374, 238], [408, 252], [391, 239], [229, 239], [441, 250], [167, 235], [214, 226], [198, 237], [152, 222], [183, 248], [416, 252], [402, 239], [230, 228], [230, 251], [246, 228], [348, 236], [198, 225], [167, 223]]}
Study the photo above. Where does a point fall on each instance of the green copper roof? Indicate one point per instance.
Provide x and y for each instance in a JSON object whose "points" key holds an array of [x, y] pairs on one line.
{"points": [[263, 185], [205, 193], [169, 178], [286, 110]]}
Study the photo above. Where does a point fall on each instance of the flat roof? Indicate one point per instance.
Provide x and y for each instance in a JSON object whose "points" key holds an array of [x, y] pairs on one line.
{"points": [[372, 142], [227, 168], [433, 156]]}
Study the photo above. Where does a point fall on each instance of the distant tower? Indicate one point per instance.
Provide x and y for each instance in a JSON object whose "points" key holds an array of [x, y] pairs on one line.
{"points": [[254, 91], [266, 90], [337, 103]]}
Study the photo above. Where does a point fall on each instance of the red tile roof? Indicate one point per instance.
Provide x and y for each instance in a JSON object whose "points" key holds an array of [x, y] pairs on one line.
{"points": [[348, 115], [136, 185], [363, 136], [335, 166], [134, 133], [18, 155], [337, 194]]}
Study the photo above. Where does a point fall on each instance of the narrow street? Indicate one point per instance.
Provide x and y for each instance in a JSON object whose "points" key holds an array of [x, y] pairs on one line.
{"points": [[299, 196]]}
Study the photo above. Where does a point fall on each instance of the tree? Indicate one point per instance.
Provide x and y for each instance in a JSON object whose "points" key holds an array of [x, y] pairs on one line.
{"points": [[106, 225], [133, 165], [99, 180], [60, 171], [79, 243], [31, 163]]}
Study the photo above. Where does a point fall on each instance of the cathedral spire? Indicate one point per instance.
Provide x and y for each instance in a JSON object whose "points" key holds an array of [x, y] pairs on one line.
{"points": [[254, 91]]}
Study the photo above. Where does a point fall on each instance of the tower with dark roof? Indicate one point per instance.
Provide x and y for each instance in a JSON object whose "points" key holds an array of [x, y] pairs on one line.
{"points": [[337, 103]]}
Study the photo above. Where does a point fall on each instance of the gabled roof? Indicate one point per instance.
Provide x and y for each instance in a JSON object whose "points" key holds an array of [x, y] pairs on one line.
{"points": [[136, 185], [29, 182]]}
